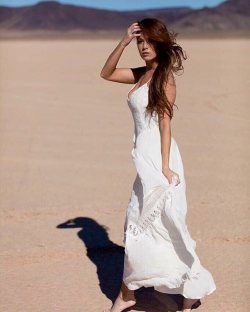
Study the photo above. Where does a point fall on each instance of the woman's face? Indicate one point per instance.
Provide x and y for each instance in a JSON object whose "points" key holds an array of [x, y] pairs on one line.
{"points": [[146, 48]]}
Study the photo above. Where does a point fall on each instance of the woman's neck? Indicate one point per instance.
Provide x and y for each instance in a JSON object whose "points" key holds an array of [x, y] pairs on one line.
{"points": [[151, 66]]}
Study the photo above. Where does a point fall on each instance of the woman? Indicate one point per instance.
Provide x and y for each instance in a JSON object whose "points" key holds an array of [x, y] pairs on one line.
{"points": [[159, 251]]}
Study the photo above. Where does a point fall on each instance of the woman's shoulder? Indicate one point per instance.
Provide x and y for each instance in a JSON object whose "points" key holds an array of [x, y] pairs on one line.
{"points": [[170, 80], [171, 77]]}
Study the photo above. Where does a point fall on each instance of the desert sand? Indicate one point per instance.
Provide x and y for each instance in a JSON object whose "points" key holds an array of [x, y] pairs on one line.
{"points": [[67, 173]]}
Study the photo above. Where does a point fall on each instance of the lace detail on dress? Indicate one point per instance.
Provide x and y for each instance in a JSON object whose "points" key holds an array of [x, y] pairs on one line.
{"points": [[159, 198]]}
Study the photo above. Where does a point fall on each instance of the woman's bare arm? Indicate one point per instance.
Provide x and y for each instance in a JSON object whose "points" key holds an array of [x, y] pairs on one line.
{"points": [[165, 129], [124, 75]]}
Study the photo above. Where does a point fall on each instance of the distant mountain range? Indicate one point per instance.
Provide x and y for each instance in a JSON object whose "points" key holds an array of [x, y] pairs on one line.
{"points": [[231, 15]]}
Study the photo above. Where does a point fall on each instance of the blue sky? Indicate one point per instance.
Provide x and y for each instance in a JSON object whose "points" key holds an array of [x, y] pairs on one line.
{"points": [[123, 4]]}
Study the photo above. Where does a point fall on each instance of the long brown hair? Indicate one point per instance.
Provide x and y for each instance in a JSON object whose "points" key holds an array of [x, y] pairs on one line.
{"points": [[169, 58]]}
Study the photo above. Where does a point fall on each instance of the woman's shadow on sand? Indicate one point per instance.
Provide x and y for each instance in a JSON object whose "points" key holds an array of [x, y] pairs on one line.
{"points": [[109, 259]]}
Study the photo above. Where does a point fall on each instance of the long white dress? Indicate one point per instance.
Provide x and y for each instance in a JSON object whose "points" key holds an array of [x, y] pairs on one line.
{"points": [[159, 251]]}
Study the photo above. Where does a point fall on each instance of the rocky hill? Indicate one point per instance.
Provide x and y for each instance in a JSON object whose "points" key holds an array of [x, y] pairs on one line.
{"points": [[231, 15]]}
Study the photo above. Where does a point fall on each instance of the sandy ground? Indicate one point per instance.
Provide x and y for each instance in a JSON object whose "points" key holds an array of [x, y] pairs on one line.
{"points": [[66, 173]]}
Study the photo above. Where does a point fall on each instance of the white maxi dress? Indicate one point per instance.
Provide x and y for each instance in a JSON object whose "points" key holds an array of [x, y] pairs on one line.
{"points": [[159, 251]]}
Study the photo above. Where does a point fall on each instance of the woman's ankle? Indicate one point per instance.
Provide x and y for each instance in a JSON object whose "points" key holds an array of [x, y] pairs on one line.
{"points": [[127, 296], [188, 303]]}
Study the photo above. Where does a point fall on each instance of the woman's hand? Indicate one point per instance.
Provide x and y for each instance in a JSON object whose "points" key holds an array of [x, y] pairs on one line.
{"points": [[133, 30], [168, 173]]}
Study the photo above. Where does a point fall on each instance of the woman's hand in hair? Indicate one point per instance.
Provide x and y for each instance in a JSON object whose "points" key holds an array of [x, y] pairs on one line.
{"points": [[133, 31]]}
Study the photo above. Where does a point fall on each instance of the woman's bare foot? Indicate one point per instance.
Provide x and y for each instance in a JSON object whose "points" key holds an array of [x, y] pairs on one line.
{"points": [[124, 300], [187, 304], [120, 305]]}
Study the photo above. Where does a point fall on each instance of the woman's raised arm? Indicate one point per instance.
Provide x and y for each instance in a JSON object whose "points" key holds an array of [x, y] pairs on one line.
{"points": [[124, 75]]}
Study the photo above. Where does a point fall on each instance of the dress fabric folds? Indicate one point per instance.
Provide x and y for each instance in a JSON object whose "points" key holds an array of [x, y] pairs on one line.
{"points": [[159, 251]]}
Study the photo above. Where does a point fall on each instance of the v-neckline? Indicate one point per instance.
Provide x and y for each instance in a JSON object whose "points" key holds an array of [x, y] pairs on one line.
{"points": [[129, 95]]}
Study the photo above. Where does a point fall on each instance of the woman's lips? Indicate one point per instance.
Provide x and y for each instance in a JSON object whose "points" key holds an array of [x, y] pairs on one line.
{"points": [[144, 54]]}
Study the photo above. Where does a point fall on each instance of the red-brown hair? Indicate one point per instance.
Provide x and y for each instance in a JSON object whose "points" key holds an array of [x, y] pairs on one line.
{"points": [[169, 58]]}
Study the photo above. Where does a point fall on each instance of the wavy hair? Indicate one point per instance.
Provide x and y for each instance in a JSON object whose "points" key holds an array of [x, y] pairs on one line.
{"points": [[169, 58]]}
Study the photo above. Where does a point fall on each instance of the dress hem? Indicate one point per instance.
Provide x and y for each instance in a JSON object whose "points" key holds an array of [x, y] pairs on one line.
{"points": [[135, 287]]}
